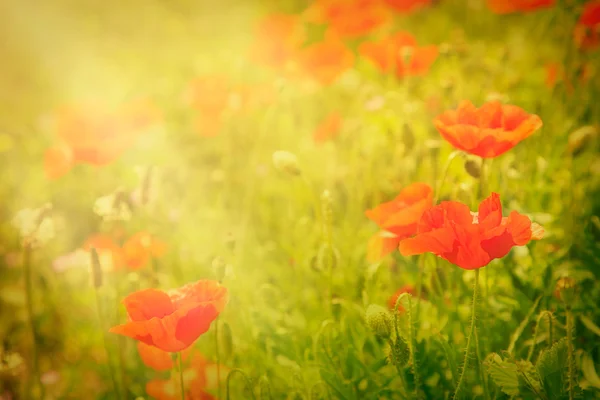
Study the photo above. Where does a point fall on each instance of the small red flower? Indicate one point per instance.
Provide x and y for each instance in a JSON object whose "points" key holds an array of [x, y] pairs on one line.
{"points": [[398, 218], [349, 19], [488, 131], [173, 320], [140, 248], [325, 61], [467, 240], [587, 29], [514, 6], [329, 128], [400, 54], [407, 6], [95, 136], [410, 289], [277, 39]]}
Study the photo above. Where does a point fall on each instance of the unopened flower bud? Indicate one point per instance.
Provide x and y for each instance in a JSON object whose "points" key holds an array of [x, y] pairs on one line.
{"points": [[287, 162], [580, 138], [566, 288], [473, 168], [379, 321]]}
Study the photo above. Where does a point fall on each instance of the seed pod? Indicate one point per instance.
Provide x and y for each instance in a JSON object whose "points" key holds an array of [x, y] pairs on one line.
{"points": [[287, 162], [566, 289], [379, 321]]}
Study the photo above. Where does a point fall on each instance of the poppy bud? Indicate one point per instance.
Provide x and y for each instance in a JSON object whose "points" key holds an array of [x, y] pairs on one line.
{"points": [[286, 162], [96, 269], [580, 138], [473, 168], [566, 288], [379, 321], [399, 352]]}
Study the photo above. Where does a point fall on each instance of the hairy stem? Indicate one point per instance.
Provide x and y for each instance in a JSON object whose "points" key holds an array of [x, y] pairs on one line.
{"points": [[465, 366], [571, 355], [228, 381], [413, 350]]}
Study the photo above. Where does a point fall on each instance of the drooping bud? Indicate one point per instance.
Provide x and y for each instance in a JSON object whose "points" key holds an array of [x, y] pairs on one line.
{"points": [[399, 352], [379, 321], [287, 162], [473, 168], [580, 138], [566, 289]]}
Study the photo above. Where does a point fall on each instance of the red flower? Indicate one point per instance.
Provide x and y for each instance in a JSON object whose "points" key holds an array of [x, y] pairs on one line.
{"points": [[400, 54], [140, 248], [329, 128], [555, 73], [109, 252], [200, 378], [349, 19], [513, 6], [587, 30], [325, 61], [488, 131], [398, 218], [172, 321], [410, 289], [467, 240], [277, 38], [93, 136], [406, 6]]}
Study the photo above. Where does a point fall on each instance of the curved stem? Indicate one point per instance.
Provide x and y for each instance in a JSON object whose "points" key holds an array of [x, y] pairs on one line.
{"points": [[228, 380], [440, 185], [461, 378], [181, 384]]}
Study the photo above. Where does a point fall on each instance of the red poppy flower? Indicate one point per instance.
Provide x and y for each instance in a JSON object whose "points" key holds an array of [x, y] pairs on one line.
{"points": [[199, 380], [587, 29], [488, 131], [173, 320], [410, 289], [278, 36], [329, 128], [398, 218], [325, 61], [156, 358], [109, 252], [406, 6], [349, 19], [513, 6], [140, 248], [400, 54], [468, 240], [93, 136]]}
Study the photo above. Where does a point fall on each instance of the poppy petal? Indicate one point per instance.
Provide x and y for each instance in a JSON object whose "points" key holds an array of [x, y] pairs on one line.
{"points": [[195, 322], [149, 303], [380, 245], [437, 241], [490, 212], [154, 358]]}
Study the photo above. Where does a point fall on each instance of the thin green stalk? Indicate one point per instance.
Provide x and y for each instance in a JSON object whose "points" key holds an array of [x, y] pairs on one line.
{"points": [[37, 384], [218, 357], [440, 185], [413, 350], [181, 383], [521, 327], [102, 322], [550, 338], [482, 374], [461, 378], [228, 381], [482, 180], [571, 354], [421, 266], [535, 333]]}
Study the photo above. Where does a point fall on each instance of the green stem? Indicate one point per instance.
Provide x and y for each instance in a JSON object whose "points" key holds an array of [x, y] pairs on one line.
{"points": [[181, 384], [111, 370], [421, 266], [550, 338], [218, 358], [461, 378], [37, 384], [482, 180], [440, 185], [571, 355], [482, 374], [521, 327], [228, 380], [413, 350], [535, 334]]}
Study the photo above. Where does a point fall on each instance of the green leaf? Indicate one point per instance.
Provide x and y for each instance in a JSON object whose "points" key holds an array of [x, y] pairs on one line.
{"points": [[589, 371], [504, 374], [590, 324], [334, 383], [450, 356], [551, 366]]}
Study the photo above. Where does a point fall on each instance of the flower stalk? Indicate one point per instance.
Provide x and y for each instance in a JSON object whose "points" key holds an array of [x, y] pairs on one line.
{"points": [[470, 337], [181, 383], [37, 386]]}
